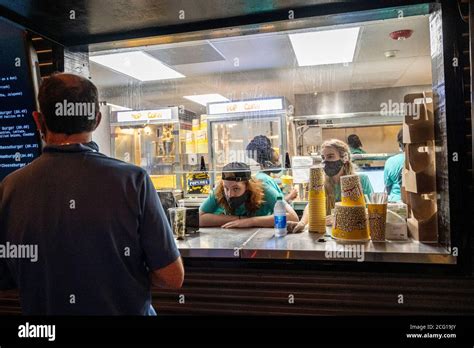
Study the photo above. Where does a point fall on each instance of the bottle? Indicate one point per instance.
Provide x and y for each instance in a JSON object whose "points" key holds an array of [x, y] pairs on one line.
{"points": [[279, 213], [203, 164]]}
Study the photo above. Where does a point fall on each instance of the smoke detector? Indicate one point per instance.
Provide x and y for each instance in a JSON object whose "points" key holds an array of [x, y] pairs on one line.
{"points": [[390, 53], [401, 34]]}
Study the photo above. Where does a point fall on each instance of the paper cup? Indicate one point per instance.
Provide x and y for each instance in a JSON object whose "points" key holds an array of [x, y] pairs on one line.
{"points": [[351, 191], [350, 223], [377, 220]]}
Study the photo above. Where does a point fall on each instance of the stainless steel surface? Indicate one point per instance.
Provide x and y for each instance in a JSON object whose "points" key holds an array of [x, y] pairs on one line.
{"points": [[259, 243], [215, 242], [375, 102], [372, 156], [148, 38], [102, 20], [311, 246]]}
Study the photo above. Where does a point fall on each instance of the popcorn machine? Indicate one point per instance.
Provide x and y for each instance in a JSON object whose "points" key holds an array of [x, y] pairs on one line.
{"points": [[232, 125], [151, 139]]}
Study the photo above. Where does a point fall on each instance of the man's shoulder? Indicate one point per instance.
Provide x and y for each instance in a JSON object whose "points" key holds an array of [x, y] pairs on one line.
{"points": [[264, 177], [41, 166], [396, 158], [21, 173], [119, 165]]}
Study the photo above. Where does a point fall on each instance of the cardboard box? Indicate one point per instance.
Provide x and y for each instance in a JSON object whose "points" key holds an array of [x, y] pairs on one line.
{"points": [[419, 174], [425, 231], [396, 231], [418, 182], [418, 124], [423, 221], [399, 209]]}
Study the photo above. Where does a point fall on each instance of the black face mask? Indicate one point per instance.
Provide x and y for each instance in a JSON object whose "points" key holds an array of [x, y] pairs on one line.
{"points": [[331, 168], [236, 202]]}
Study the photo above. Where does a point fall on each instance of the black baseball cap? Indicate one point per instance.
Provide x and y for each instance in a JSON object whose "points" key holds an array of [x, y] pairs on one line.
{"points": [[236, 171]]}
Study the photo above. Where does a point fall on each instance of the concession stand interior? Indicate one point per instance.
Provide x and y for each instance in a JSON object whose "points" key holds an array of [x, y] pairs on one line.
{"points": [[185, 88]]}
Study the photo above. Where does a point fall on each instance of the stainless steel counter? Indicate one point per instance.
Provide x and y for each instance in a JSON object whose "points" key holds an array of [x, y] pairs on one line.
{"points": [[215, 242], [260, 243]]}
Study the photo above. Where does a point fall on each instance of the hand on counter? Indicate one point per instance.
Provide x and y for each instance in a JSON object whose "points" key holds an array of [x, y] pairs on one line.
{"points": [[295, 227], [298, 227], [243, 222], [329, 220]]}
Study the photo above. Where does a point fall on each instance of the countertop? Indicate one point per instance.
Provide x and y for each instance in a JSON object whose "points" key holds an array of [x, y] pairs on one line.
{"points": [[260, 243]]}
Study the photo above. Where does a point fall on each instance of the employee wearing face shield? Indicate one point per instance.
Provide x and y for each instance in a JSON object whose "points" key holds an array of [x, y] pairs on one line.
{"points": [[336, 162], [240, 201]]}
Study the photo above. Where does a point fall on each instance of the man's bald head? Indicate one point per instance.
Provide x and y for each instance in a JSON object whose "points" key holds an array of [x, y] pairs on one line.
{"points": [[69, 104]]}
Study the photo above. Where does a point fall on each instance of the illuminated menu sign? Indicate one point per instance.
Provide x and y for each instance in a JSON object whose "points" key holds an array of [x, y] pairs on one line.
{"points": [[144, 115], [273, 104], [19, 141]]}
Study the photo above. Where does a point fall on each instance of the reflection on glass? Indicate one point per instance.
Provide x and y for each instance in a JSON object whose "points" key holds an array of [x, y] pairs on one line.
{"points": [[385, 58]]}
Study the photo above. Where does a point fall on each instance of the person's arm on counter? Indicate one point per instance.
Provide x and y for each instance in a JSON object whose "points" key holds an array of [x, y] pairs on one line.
{"points": [[297, 227], [213, 220], [261, 221], [209, 213]]}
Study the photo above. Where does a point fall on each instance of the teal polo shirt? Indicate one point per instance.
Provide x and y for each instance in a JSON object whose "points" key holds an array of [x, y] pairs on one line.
{"points": [[211, 206], [366, 187], [392, 174], [268, 180]]}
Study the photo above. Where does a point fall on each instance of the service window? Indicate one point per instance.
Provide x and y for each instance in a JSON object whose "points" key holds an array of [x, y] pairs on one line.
{"points": [[372, 80]]}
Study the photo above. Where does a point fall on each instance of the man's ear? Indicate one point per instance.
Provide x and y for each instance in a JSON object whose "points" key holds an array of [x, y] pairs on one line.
{"points": [[98, 118], [39, 120]]}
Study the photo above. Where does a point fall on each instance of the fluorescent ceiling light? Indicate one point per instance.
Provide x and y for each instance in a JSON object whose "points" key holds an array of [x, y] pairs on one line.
{"points": [[204, 99], [138, 65], [325, 47]]}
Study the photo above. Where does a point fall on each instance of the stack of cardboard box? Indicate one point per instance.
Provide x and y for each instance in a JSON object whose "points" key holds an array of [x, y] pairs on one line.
{"points": [[419, 173]]}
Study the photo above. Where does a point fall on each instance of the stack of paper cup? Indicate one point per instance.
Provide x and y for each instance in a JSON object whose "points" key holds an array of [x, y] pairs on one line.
{"points": [[350, 223], [316, 201], [350, 219], [351, 191]]}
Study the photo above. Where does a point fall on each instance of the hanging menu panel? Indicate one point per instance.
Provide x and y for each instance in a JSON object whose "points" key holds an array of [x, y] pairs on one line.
{"points": [[19, 141]]}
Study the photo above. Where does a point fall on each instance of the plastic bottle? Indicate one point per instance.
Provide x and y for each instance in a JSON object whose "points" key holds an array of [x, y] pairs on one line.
{"points": [[279, 213]]}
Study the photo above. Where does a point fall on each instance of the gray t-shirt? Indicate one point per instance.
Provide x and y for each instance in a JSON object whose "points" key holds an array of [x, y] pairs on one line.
{"points": [[99, 228]]}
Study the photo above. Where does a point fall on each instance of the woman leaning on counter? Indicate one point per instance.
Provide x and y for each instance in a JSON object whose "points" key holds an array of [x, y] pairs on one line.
{"points": [[240, 201], [336, 158]]}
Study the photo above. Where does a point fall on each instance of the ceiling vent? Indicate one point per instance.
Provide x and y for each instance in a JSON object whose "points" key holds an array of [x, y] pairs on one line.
{"points": [[187, 54]]}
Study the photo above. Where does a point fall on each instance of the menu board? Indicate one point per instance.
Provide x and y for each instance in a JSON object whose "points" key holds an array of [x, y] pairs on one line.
{"points": [[19, 141]]}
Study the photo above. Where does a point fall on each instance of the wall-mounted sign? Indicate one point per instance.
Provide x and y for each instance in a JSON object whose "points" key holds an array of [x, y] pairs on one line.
{"points": [[144, 115], [271, 104]]}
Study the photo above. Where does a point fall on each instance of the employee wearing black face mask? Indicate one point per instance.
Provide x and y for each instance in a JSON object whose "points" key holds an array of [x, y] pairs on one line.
{"points": [[240, 201], [337, 162]]}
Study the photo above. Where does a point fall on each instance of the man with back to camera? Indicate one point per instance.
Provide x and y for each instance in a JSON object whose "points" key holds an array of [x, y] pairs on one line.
{"points": [[102, 235], [393, 172]]}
